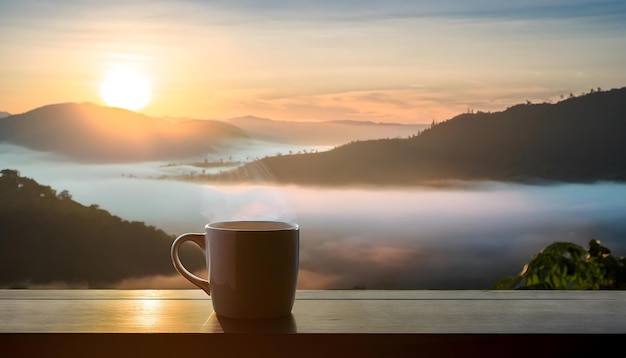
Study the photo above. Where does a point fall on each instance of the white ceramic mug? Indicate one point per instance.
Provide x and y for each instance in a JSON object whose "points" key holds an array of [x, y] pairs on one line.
{"points": [[252, 267]]}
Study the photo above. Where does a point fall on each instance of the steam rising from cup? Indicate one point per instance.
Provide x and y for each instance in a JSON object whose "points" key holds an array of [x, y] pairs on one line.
{"points": [[260, 201], [244, 202]]}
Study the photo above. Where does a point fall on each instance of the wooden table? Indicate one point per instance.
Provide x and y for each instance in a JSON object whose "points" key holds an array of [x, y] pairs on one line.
{"points": [[336, 323]]}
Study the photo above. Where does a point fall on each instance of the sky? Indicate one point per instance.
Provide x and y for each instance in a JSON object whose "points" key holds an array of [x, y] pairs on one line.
{"points": [[382, 61]]}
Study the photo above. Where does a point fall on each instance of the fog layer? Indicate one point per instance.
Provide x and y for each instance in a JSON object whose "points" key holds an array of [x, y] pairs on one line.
{"points": [[446, 238]]}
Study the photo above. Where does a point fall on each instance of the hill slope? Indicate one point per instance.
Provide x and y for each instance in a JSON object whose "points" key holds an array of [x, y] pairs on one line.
{"points": [[46, 237], [88, 132], [579, 139]]}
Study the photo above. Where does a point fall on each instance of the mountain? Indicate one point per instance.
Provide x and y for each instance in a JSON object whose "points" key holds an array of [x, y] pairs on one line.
{"points": [[46, 237], [578, 139], [325, 133], [4, 114], [88, 132]]}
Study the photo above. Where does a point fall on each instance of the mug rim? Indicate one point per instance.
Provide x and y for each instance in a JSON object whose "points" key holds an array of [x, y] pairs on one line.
{"points": [[252, 225]]}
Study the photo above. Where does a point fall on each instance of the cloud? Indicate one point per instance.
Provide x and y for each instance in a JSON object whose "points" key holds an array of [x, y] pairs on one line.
{"points": [[374, 10], [311, 280], [381, 256], [408, 104]]}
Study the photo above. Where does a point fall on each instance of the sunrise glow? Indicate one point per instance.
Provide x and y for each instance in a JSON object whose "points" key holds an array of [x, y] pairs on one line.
{"points": [[125, 89], [395, 62]]}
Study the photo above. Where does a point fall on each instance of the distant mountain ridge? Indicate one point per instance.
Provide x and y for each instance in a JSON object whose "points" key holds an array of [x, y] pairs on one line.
{"points": [[93, 133], [329, 133], [578, 139], [89, 132]]}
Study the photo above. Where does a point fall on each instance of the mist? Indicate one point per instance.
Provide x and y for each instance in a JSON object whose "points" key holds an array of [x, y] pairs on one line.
{"points": [[458, 237]]}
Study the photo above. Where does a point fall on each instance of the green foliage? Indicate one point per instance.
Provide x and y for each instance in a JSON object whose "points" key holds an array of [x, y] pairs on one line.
{"points": [[47, 238], [567, 266]]}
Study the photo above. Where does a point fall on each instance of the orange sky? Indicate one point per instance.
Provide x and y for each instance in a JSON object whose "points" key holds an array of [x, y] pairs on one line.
{"points": [[394, 61]]}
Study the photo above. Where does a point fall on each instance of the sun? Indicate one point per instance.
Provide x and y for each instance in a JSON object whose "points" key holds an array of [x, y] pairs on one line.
{"points": [[125, 89]]}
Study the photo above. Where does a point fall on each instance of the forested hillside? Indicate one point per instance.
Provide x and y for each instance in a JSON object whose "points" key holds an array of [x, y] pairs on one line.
{"points": [[46, 237], [580, 139]]}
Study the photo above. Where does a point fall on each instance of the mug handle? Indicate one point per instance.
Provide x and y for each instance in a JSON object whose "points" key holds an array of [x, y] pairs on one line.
{"points": [[199, 239]]}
